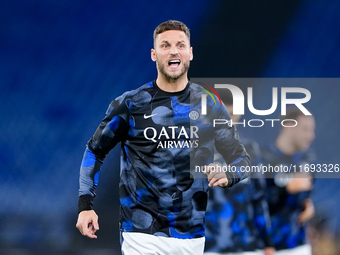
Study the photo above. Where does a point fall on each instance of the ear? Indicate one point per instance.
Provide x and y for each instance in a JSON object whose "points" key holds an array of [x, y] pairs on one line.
{"points": [[153, 55], [191, 54]]}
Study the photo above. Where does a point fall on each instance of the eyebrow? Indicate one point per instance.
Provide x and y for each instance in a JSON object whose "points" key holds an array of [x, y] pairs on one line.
{"points": [[164, 41]]}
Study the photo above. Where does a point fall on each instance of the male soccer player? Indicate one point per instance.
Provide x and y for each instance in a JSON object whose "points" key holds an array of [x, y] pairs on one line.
{"points": [[164, 137], [288, 196], [237, 219]]}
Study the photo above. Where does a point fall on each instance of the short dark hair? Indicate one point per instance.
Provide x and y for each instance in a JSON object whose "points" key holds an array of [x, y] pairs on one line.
{"points": [[171, 25], [292, 112]]}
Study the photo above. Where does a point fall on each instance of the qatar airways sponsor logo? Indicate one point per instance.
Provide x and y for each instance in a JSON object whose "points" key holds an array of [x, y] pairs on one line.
{"points": [[173, 136]]}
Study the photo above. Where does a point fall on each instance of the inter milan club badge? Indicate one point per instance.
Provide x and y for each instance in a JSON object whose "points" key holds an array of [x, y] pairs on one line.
{"points": [[194, 115]]}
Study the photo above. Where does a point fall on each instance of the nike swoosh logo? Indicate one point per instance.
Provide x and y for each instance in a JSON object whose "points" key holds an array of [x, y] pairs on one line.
{"points": [[149, 116], [174, 197]]}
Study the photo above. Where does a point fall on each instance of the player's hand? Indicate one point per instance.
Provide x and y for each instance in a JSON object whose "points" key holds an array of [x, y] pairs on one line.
{"points": [[308, 212], [216, 176], [88, 223], [269, 251], [299, 184]]}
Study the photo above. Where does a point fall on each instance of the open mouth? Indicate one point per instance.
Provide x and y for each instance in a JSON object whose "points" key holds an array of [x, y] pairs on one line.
{"points": [[174, 63]]}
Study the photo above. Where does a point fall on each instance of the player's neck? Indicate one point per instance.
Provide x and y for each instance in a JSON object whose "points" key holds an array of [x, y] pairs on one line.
{"points": [[285, 145], [173, 85]]}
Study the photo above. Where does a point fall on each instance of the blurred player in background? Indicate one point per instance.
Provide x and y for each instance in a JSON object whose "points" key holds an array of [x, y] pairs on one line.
{"points": [[237, 218], [160, 130], [289, 197], [321, 237]]}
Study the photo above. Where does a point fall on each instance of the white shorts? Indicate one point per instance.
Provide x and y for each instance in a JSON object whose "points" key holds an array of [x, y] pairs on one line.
{"points": [[140, 244], [305, 249], [237, 253]]}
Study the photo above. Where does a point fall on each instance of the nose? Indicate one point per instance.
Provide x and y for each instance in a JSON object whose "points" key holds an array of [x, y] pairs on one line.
{"points": [[173, 50]]}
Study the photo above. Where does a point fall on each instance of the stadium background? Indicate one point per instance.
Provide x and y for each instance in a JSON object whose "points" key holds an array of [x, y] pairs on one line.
{"points": [[62, 62]]}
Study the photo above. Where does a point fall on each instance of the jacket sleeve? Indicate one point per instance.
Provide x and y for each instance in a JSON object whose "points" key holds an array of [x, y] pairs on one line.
{"points": [[229, 145], [113, 129]]}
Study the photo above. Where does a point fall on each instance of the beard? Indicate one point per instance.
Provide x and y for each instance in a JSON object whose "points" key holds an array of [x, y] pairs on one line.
{"points": [[173, 77]]}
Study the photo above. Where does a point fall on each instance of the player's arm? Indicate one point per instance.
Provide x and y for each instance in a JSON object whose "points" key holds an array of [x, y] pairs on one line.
{"points": [[229, 145], [300, 183], [307, 212], [111, 130], [87, 222], [216, 176]]}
